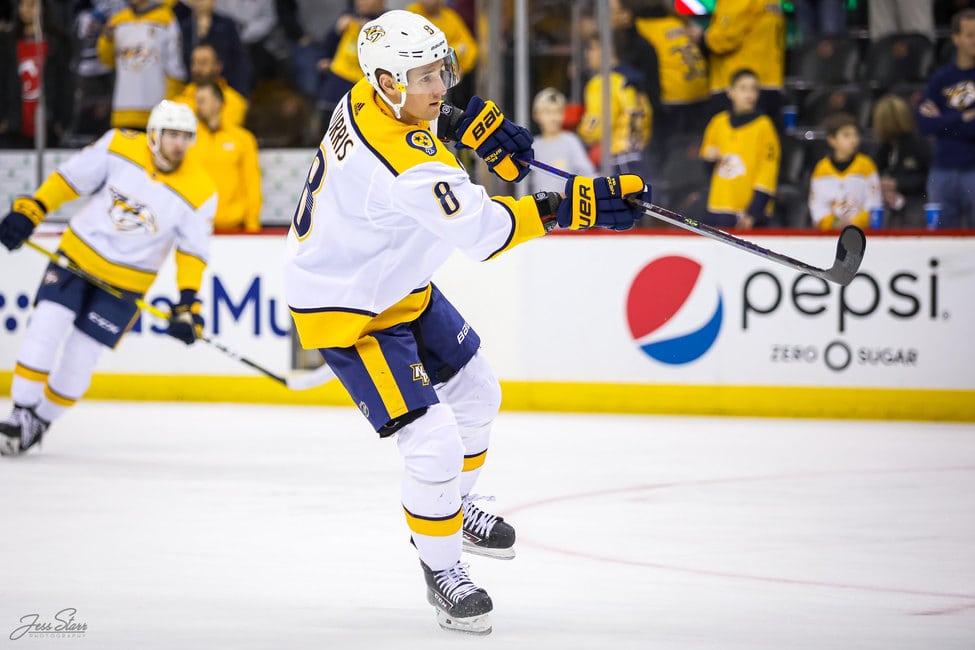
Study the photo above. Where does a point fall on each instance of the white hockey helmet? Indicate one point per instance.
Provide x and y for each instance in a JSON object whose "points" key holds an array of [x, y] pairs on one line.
{"points": [[399, 41], [174, 117]]}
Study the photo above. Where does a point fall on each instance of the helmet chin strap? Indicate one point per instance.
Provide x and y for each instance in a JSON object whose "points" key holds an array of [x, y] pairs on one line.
{"points": [[396, 107]]}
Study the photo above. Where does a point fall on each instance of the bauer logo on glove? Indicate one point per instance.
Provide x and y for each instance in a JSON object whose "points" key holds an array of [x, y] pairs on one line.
{"points": [[601, 202]]}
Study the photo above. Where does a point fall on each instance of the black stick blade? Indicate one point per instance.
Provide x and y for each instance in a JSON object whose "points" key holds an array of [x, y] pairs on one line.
{"points": [[849, 256]]}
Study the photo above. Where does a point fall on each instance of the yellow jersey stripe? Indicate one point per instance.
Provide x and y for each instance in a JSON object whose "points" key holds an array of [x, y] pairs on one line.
{"points": [[474, 461], [55, 191], [29, 373], [434, 526], [337, 327], [118, 275], [525, 222], [189, 271], [382, 377], [57, 398]]}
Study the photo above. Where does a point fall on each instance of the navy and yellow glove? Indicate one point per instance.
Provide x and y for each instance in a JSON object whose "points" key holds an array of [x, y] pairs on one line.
{"points": [[185, 321], [25, 213], [601, 202], [497, 140]]}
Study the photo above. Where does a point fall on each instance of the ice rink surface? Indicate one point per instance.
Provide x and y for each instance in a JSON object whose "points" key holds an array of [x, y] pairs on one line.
{"points": [[229, 526]]}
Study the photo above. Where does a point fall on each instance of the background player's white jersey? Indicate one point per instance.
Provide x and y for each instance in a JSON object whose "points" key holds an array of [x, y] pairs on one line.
{"points": [[384, 205], [135, 215]]}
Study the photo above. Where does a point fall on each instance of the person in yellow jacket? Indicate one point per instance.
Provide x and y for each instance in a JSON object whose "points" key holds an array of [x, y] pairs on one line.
{"points": [[747, 34], [229, 154], [142, 44], [206, 67], [340, 65]]}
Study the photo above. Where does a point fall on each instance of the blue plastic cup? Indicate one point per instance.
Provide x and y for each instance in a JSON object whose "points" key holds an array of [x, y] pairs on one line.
{"points": [[876, 218], [932, 214]]}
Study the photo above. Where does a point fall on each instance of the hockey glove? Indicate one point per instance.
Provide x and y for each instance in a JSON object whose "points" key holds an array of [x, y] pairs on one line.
{"points": [[185, 321], [601, 202], [497, 140], [17, 226]]}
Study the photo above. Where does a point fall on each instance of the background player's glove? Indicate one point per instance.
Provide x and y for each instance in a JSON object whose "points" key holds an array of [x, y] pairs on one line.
{"points": [[496, 139], [601, 202], [185, 321], [17, 226]]}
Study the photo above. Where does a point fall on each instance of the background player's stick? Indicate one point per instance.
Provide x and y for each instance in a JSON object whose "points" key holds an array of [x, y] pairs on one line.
{"points": [[317, 377], [849, 248]]}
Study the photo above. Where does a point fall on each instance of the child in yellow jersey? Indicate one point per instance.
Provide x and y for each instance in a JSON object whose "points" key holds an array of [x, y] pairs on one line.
{"points": [[741, 148], [845, 185]]}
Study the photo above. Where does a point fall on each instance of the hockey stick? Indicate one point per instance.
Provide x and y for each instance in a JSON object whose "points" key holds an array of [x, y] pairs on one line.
{"points": [[317, 377], [849, 248]]}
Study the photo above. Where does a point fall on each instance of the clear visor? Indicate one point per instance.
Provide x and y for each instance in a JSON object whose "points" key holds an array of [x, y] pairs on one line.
{"points": [[428, 79]]}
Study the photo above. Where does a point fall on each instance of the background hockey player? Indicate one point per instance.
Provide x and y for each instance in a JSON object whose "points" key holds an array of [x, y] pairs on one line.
{"points": [[144, 199], [384, 205]]}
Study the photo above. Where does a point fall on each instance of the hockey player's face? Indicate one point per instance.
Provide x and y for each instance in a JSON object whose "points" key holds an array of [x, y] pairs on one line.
{"points": [[425, 91], [173, 145]]}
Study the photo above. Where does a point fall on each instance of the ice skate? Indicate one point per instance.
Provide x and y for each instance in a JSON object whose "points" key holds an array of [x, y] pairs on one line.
{"points": [[21, 431], [461, 605], [486, 534]]}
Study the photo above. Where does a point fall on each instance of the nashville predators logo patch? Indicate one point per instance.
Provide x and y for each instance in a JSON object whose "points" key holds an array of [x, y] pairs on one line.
{"points": [[131, 216], [420, 374], [960, 96], [423, 141], [374, 33]]}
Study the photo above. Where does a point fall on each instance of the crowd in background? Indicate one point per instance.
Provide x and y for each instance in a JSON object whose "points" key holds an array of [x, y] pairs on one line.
{"points": [[800, 113]]}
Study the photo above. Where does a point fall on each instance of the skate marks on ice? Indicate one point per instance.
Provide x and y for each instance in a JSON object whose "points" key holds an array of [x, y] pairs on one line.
{"points": [[234, 526]]}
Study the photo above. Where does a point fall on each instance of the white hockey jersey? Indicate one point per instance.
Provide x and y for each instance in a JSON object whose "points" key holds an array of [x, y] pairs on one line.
{"points": [[383, 206], [135, 215]]}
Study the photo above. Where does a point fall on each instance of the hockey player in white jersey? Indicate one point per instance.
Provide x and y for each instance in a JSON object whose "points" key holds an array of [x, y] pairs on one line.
{"points": [[383, 206], [145, 198]]}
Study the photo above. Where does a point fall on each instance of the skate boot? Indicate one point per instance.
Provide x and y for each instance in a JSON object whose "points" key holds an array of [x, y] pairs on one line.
{"points": [[21, 431], [486, 534], [461, 605]]}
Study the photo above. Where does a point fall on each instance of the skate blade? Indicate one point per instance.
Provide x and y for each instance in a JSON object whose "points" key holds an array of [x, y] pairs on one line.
{"points": [[496, 553], [479, 625]]}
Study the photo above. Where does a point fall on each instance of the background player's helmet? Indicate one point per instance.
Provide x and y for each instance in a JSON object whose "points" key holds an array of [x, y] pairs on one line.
{"points": [[399, 41], [168, 115]]}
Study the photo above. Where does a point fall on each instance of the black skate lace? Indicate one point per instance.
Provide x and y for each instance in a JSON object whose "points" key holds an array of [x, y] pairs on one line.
{"points": [[455, 583], [475, 519]]}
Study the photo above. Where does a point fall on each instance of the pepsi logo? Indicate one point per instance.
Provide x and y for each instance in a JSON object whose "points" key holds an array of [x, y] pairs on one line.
{"points": [[674, 310]]}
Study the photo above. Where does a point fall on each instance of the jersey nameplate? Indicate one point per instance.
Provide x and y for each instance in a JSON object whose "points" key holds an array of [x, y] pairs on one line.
{"points": [[338, 135]]}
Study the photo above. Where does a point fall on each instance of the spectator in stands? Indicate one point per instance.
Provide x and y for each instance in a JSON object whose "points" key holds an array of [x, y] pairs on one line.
{"points": [[142, 43], [28, 58], [682, 72], [556, 146], [747, 34], [459, 37], [340, 64], [741, 149], [94, 81], [202, 25], [229, 154], [630, 114], [819, 18], [903, 160], [900, 16], [308, 19], [845, 186], [205, 67], [263, 38], [947, 112]]}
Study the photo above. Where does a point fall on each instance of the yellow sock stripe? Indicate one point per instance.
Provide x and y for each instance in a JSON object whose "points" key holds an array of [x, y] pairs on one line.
{"points": [[474, 461], [382, 377], [434, 526], [57, 398], [29, 373]]}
